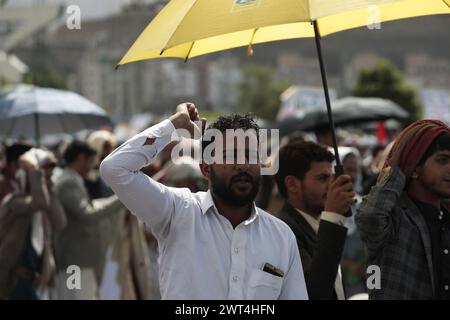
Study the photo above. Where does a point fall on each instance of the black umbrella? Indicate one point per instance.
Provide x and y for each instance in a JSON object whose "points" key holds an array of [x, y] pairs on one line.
{"points": [[346, 111], [30, 111]]}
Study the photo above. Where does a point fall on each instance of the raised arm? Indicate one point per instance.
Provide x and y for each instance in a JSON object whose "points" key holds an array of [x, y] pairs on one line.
{"points": [[150, 201], [75, 204], [375, 216]]}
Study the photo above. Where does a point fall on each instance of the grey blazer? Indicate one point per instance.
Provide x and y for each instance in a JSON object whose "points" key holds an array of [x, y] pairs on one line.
{"points": [[82, 241]]}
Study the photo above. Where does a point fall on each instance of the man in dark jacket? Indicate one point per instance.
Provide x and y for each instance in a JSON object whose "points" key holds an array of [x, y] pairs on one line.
{"points": [[314, 209], [404, 221]]}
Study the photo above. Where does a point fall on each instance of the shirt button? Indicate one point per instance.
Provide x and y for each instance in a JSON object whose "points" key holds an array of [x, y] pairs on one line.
{"points": [[446, 288], [445, 251], [236, 250], [235, 278]]}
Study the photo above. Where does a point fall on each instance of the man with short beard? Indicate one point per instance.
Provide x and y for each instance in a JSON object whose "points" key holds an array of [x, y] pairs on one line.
{"points": [[315, 207], [215, 244]]}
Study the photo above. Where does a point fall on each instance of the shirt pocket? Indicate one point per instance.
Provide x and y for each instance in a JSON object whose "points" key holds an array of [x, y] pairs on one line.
{"points": [[263, 285]]}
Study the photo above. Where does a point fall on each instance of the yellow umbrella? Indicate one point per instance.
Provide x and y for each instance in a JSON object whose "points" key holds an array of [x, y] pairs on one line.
{"points": [[190, 28]]}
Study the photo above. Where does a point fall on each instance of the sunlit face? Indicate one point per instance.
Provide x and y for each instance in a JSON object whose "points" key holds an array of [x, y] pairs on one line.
{"points": [[434, 174]]}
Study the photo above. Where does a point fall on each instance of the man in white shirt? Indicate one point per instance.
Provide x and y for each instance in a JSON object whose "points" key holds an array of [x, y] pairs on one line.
{"points": [[315, 209], [215, 244]]}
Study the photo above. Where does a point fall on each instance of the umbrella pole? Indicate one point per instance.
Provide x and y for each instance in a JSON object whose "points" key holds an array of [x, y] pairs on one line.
{"points": [[37, 129], [338, 168]]}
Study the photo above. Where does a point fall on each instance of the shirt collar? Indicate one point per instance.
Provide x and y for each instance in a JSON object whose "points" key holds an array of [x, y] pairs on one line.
{"points": [[429, 212], [208, 202], [313, 222]]}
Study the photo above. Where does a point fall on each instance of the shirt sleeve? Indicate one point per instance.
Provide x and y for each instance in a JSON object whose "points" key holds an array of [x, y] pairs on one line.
{"points": [[333, 217], [152, 202]]}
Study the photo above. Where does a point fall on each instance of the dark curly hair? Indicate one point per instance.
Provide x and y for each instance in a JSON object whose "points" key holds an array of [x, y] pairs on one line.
{"points": [[234, 121], [295, 159]]}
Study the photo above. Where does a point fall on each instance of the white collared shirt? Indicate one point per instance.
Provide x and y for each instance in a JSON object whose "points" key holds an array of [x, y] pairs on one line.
{"points": [[315, 223], [201, 255]]}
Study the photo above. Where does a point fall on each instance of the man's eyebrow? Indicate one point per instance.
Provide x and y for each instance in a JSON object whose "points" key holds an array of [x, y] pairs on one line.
{"points": [[445, 153], [321, 174]]}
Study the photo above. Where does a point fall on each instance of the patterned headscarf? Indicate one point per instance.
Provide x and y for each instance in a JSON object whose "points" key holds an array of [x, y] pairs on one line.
{"points": [[412, 143]]}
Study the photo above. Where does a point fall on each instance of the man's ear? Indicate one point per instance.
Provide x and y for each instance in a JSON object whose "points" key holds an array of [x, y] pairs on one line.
{"points": [[205, 169], [292, 185]]}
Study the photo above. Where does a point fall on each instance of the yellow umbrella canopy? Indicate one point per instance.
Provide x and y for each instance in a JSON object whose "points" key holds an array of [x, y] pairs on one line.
{"points": [[190, 28]]}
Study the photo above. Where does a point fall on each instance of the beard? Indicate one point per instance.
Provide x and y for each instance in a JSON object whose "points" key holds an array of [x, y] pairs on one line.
{"points": [[314, 207], [313, 202], [227, 192]]}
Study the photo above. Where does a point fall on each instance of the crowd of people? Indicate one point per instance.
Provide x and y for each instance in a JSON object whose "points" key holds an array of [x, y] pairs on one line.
{"points": [[132, 223]]}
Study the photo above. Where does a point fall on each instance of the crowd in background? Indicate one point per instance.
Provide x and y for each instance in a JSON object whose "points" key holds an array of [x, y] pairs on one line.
{"points": [[56, 213]]}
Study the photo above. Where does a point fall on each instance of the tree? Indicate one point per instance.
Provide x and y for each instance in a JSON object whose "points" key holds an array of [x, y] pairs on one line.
{"points": [[384, 80], [260, 92], [3, 83], [46, 77]]}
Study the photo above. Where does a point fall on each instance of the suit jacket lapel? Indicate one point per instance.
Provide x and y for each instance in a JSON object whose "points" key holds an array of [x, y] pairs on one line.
{"points": [[298, 223]]}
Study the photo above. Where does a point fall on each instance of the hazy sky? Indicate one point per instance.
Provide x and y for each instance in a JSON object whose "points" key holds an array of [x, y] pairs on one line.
{"points": [[89, 8]]}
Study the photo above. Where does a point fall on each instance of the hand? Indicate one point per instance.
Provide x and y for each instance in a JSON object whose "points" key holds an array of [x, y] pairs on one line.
{"points": [[26, 163], [340, 195], [186, 117], [383, 174]]}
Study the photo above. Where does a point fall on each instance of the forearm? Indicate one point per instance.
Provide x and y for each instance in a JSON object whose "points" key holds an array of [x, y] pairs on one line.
{"points": [[151, 201], [81, 209], [134, 154], [374, 215], [104, 207]]}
